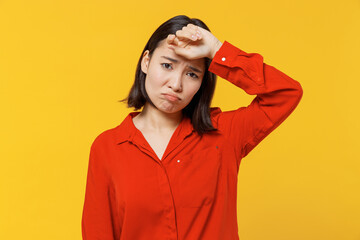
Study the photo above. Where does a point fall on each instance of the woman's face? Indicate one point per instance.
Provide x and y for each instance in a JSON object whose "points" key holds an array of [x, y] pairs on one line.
{"points": [[171, 80]]}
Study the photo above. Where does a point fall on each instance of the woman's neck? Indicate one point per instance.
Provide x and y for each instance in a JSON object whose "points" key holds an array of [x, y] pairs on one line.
{"points": [[152, 119]]}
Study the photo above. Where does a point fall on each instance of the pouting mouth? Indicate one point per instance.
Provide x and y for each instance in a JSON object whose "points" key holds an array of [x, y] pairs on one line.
{"points": [[171, 96]]}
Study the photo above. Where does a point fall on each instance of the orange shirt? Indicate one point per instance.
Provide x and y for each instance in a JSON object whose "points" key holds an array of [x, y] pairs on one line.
{"points": [[190, 194]]}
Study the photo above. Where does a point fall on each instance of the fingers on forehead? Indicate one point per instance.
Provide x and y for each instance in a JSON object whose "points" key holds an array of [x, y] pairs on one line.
{"points": [[192, 26]]}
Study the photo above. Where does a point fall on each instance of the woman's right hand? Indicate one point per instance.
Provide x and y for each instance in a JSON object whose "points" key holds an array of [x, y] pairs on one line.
{"points": [[193, 42]]}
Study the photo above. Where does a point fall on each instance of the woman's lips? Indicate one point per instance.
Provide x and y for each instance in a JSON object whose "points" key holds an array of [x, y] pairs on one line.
{"points": [[171, 97]]}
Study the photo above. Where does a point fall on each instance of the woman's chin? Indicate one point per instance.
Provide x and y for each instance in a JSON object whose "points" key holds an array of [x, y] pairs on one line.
{"points": [[169, 108]]}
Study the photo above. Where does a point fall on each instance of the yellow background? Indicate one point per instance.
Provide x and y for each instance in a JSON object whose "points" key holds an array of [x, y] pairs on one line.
{"points": [[65, 64]]}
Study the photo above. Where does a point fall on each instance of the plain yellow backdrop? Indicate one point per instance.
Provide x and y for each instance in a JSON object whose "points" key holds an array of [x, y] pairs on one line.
{"points": [[64, 65]]}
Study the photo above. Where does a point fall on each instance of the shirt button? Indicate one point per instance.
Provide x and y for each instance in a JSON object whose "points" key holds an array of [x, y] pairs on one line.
{"points": [[223, 59], [178, 160]]}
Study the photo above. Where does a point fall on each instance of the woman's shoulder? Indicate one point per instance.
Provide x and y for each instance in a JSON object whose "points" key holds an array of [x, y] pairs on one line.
{"points": [[116, 133], [104, 137], [226, 117], [110, 135], [215, 111]]}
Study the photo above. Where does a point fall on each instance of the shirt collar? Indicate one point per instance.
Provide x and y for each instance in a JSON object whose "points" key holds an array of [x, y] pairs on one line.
{"points": [[126, 131]]}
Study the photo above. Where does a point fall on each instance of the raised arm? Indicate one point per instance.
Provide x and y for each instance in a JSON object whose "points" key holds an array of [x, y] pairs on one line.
{"points": [[277, 97], [277, 93]]}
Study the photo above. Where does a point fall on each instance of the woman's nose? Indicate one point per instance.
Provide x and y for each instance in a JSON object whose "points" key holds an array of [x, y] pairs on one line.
{"points": [[176, 83]]}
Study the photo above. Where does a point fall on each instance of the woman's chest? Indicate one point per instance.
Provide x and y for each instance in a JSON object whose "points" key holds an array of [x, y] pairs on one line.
{"points": [[193, 174]]}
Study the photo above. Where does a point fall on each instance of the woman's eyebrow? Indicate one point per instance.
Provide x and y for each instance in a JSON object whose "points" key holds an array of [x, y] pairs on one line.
{"points": [[175, 61]]}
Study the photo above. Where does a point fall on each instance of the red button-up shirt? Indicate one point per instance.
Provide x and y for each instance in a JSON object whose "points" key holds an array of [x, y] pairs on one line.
{"points": [[189, 194]]}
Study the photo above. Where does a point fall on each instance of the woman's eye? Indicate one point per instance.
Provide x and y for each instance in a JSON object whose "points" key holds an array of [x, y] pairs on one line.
{"points": [[194, 75], [166, 65]]}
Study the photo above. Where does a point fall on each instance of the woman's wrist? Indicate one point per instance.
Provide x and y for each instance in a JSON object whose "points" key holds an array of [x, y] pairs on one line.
{"points": [[216, 48]]}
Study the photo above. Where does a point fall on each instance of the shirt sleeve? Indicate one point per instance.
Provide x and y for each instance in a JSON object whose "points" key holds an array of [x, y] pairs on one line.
{"points": [[277, 95], [99, 217]]}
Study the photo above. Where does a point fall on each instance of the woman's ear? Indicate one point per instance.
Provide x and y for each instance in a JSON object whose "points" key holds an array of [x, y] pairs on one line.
{"points": [[145, 62]]}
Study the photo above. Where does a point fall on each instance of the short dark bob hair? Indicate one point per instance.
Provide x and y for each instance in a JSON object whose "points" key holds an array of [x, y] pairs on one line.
{"points": [[198, 110]]}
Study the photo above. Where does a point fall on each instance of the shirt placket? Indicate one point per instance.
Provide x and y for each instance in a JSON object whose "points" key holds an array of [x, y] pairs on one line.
{"points": [[167, 197]]}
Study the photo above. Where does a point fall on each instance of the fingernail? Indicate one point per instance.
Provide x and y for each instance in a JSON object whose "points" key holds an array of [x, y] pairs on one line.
{"points": [[197, 34], [193, 37]]}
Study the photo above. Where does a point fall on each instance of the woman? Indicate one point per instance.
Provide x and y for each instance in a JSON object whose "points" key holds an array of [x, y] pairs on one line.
{"points": [[170, 171]]}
